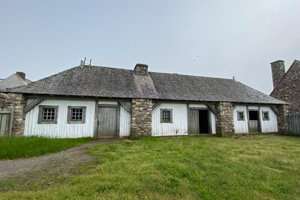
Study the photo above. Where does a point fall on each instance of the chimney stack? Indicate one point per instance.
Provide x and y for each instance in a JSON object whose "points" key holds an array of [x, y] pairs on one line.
{"points": [[278, 71], [22, 75], [141, 70]]}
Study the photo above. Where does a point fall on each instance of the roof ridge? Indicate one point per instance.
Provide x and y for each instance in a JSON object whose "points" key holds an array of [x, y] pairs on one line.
{"points": [[191, 75]]}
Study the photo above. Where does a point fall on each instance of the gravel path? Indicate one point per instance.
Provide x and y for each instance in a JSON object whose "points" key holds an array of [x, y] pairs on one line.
{"points": [[59, 162]]}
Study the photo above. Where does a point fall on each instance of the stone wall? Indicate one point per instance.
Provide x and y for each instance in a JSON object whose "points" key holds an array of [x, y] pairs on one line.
{"points": [[282, 119], [141, 118], [141, 70], [289, 89], [278, 71], [17, 103], [224, 119]]}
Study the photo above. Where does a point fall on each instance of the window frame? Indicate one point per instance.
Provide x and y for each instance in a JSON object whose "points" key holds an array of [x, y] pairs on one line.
{"points": [[40, 117], [161, 115], [70, 120], [238, 115], [263, 116]]}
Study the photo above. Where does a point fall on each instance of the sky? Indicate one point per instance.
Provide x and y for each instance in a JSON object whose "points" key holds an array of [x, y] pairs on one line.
{"points": [[214, 38]]}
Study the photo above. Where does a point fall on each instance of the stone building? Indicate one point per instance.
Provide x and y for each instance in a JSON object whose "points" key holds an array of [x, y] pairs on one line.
{"points": [[94, 101], [287, 84]]}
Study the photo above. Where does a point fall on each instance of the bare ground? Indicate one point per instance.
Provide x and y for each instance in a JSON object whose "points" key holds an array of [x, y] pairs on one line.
{"points": [[45, 169]]}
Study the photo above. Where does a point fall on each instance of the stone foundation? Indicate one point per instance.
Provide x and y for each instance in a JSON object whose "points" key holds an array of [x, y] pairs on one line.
{"points": [[224, 119], [282, 119], [17, 103], [141, 118]]}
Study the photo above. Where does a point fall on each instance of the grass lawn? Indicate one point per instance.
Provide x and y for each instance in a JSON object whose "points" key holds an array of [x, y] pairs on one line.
{"points": [[265, 167], [21, 147]]}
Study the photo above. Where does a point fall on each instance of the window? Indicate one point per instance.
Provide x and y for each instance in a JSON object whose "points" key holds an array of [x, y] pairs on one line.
{"points": [[240, 116], [76, 115], [47, 114], [265, 115], [166, 116]]}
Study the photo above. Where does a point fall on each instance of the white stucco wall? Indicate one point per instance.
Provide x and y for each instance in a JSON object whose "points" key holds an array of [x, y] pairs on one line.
{"points": [[125, 122], [266, 126], [240, 126], [269, 125], [179, 124], [62, 129]]}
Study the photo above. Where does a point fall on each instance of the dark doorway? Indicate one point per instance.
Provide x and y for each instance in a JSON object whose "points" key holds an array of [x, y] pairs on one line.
{"points": [[203, 121], [253, 121], [253, 115]]}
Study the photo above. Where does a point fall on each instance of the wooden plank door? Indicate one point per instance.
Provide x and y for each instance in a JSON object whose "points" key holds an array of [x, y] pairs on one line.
{"points": [[253, 121], [107, 122], [193, 125], [5, 122], [253, 126]]}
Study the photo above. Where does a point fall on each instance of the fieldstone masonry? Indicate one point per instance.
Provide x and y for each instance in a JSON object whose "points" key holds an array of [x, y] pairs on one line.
{"points": [[17, 103], [278, 71], [289, 88], [282, 119], [141, 70], [224, 119], [141, 118]]}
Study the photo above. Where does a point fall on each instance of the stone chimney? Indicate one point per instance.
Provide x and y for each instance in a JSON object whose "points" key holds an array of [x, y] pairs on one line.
{"points": [[141, 70], [21, 74], [278, 71]]}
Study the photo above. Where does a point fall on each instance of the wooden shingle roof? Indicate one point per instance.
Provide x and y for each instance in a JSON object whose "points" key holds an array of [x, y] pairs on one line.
{"points": [[95, 81]]}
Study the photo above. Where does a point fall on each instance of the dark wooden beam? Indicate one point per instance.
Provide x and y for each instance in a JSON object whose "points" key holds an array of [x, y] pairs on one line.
{"points": [[275, 110], [126, 107], [32, 104], [155, 105], [212, 108]]}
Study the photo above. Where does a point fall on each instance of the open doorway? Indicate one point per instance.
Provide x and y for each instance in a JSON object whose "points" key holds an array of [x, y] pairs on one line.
{"points": [[203, 121], [253, 121], [198, 121]]}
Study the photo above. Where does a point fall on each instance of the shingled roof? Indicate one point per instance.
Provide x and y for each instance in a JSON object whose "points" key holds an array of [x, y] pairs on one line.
{"points": [[13, 81], [95, 81]]}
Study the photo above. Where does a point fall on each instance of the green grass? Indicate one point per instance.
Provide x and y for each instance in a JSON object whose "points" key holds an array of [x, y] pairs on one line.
{"points": [[184, 168], [22, 147]]}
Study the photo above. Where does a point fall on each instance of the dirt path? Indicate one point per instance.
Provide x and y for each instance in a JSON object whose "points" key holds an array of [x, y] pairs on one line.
{"points": [[53, 163]]}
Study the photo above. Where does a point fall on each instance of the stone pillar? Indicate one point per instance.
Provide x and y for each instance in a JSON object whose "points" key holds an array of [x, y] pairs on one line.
{"points": [[17, 103], [282, 119], [141, 118], [224, 119]]}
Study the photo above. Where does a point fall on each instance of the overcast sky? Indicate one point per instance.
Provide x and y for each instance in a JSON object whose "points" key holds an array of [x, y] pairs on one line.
{"points": [[215, 38]]}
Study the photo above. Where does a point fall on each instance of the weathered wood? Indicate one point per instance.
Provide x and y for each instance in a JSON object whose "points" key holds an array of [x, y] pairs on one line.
{"points": [[212, 108], [6, 122], [294, 121], [156, 104], [32, 104], [275, 110], [193, 120], [253, 125], [107, 121], [125, 106]]}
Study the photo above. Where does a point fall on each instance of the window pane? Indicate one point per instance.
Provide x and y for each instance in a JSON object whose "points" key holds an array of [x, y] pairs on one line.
{"points": [[166, 115], [48, 114], [76, 114], [240, 115], [265, 115]]}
